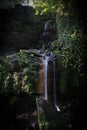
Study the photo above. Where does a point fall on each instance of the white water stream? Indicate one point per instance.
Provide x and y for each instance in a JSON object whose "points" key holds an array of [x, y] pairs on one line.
{"points": [[45, 78], [46, 60], [54, 83], [54, 87], [28, 2]]}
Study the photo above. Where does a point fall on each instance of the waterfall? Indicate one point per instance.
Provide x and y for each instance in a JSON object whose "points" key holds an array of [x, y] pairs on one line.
{"points": [[45, 77], [31, 2], [46, 28], [28, 2], [54, 87], [48, 59], [54, 83]]}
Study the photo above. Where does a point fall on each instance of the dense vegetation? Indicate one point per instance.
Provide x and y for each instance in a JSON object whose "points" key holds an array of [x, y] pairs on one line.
{"points": [[18, 74], [20, 28], [69, 43]]}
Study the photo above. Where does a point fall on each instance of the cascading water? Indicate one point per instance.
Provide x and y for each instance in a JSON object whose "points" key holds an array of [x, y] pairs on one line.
{"points": [[28, 2], [46, 28], [54, 83], [48, 35], [48, 61], [49, 57], [54, 87], [45, 78], [31, 2]]}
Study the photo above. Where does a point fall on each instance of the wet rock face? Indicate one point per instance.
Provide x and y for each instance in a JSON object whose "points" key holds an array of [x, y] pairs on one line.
{"points": [[41, 81], [45, 83], [49, 28], [48, 35], [40, 87], [45, 80]]}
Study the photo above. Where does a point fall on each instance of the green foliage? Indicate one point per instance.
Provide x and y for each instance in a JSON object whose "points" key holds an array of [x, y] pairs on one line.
{"points": [[42, 121], [15, 82], [70, 35], [18, 73], [4, 74], [69, 47], [45, 8]]}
